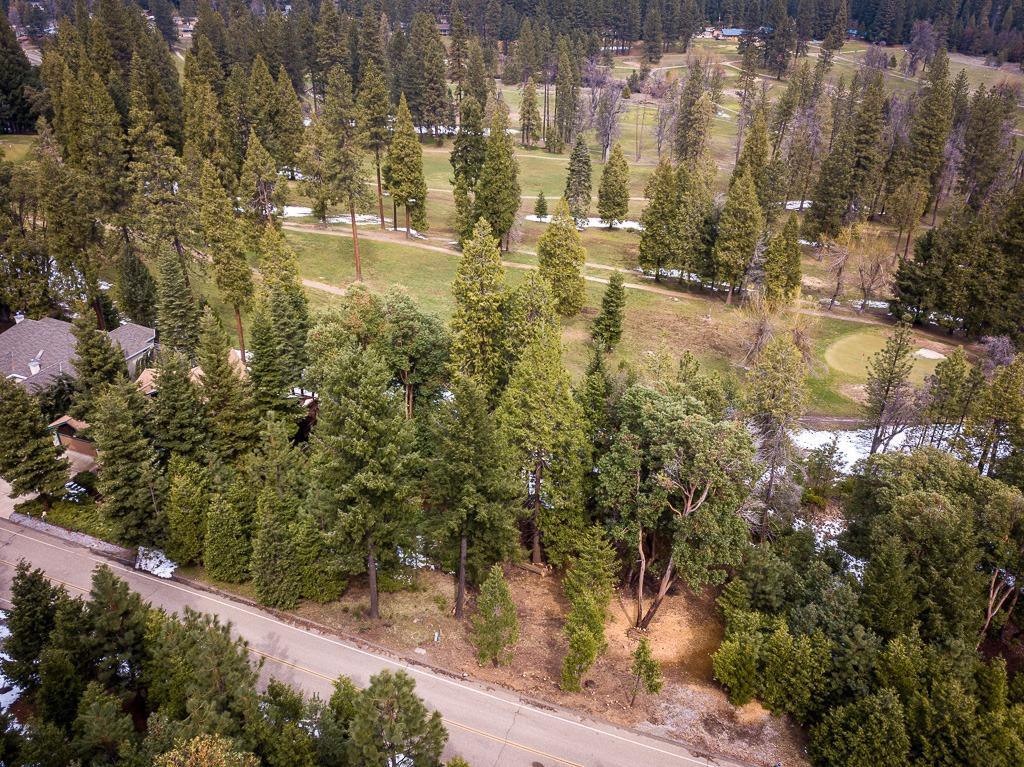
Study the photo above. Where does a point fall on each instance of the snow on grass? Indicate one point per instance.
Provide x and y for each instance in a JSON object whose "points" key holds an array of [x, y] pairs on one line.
{"points": [[592, 223], [9, 692], [797, 204], [155, 562], [929, 354]]}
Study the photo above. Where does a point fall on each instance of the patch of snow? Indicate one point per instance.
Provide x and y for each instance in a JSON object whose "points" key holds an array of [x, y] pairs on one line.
{"points": [[802, 241], [853, 445], [592, 223], [929, 354], [9, 692], [795, 204], [301, 211], [155, 562], [872, 304]]}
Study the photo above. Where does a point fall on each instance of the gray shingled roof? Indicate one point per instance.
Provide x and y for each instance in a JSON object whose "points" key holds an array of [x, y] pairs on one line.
{"points": [[54, 343]]}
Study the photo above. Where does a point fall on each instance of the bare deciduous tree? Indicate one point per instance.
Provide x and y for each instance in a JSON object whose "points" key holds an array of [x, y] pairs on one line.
{"points": [[606, 116]]}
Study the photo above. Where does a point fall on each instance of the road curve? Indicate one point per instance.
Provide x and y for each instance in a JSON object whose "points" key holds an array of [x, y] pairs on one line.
{"points": [[487, 726]]}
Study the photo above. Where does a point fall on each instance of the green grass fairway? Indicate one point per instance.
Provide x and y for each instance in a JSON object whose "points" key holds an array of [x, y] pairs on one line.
{"points": [[15, 148], [850, 354]]}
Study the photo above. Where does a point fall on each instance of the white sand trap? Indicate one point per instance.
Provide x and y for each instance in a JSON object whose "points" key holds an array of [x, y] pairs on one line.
{"points": [[929, 354]]}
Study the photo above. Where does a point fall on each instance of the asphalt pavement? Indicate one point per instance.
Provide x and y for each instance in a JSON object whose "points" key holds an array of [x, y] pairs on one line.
{"points": [[487, 726]]}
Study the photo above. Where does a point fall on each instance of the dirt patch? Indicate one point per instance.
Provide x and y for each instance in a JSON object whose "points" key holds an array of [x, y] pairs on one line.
{"points": [[683, 636], [857, 392]]}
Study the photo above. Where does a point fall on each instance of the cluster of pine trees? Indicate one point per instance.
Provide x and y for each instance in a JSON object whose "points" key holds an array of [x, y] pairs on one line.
{"points": [[110, 680]]}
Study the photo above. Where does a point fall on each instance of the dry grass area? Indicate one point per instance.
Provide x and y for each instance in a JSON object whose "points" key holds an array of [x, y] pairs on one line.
{"points": [[691, 708]]}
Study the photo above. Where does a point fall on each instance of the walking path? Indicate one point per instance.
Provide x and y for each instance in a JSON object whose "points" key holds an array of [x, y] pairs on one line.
{"points": [[399, 238]]}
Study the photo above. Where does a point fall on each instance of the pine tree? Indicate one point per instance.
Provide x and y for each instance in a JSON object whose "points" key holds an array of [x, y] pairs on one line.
{"points": [[226, 549], [268, 369], [344, 155], [130, 482], [16, 113], [29, 461], [391, 725], [188, 499], [613, 194], [578, 182], [529, 114], [560, 259], [540, 208], [497, 198], [287, 302], [775, 399], [313, 163], [477, 326], [30, 622], [230, 416], [607, 328], [457, 49], [177, 314], [888, 386], [135, 289], [261, 192], [495, 625], [405, 178], [755, 158], [566, 98], [738, 232], [584, 644], [660, 237], [321, 581], [277, 578], [261, 105], [478, 83], [543, 424], [98, 361], [425, 84], [288, 124], [470, 487], [645, 670], [374, 107], [782, 265], [931, 124], [176, 414], [362, 464], [205, 751]]}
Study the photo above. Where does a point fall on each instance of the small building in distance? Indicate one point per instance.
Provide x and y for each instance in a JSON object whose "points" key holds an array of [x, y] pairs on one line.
{"points": [[34, 352]]}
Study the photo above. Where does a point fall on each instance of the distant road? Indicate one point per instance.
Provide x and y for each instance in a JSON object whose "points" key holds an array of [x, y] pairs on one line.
{"points": [[488, 727]]}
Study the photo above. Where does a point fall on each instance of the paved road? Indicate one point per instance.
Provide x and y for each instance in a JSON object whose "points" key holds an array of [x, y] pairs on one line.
{"points": [[487, 726]]}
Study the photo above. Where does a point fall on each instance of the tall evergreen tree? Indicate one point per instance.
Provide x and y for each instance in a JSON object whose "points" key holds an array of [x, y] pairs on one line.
{"points": [[542, 423], [560, 259], [176, 414], [404, 174], [391, 725], [607, 328], [188, 499], [775, 399], [16, 113], [613, 193], [227, 549], [29, 461], [888, 387], [224, 237], [286, 301], [344, 155], [277, 578], [230, 416], [131, 483], [529, 114], [98, 361], [135, 289], [177, 313], [567, 86], [782, 265], [497, 198], [362, 464], [477, 325], [374, 107], [470, 488], [738, 232], [578, 182], [660, 237], [313, 163]]}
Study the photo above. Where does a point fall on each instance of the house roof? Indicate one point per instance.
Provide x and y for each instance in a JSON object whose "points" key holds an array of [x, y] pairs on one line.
{"points": [[74, 423], [53, 344]]}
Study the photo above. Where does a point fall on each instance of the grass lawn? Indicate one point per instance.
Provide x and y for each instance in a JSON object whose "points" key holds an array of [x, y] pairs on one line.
{"points": [[15, 148]]}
